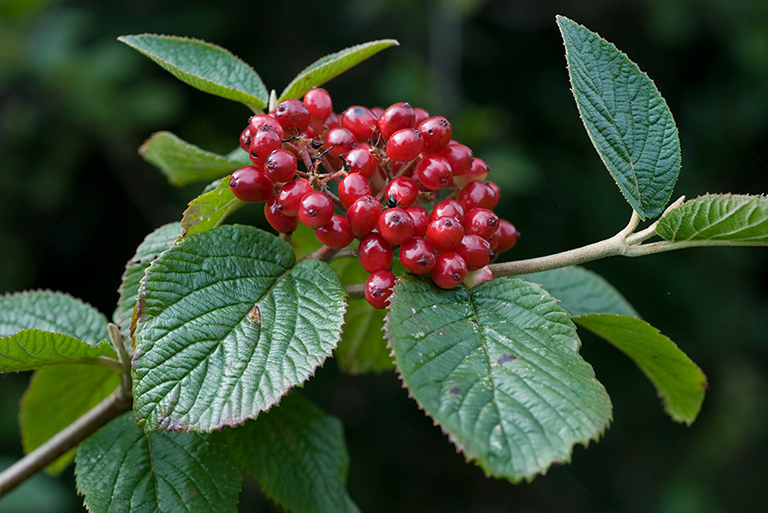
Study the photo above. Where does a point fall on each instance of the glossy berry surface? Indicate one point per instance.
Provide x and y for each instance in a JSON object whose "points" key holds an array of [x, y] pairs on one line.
{"points": [[433, 172], [360, 121], [280, 165], [475, 250], [420, 218], [396, 117], [318, 103], [401, 192], [417, 255], [259, 120], [482, 222], [339, 141], [505, 237], [336, 233], [363, 215], [395, 225], [263, 142], [290, 196], [448, 208], [405, 145], [444, 233], [277, 219], [378, 288], [251, 184], [361, 161], [292, 115], [375, 253], [315, 209], [449, 271], [436, 132], [478, 194], [459, 156], [352, 187]]}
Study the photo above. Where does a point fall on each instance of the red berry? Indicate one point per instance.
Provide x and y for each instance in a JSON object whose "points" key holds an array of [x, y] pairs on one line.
{"points": [[436, 132], [378, 288], [363, 215], [478, 276], [477, 171], [318, 103], [478, 194], [277, 219], [450, 270], [448, 208], [375, 253], [433, 172], [290, 196], [359, 160], [417, 255], [260, 120], [420, 218], [444, 233], [475, 250], [264, 141], [395, 225], [339, 141], [505, 237], [245, 139], [404, 145], [360, 121], [251, 184], [336, 233], [396, 117], [458, 156], [352, 187], [482, 222], [292, 115], [315, 209], [280, 165], [401, 192], [420, 114]]}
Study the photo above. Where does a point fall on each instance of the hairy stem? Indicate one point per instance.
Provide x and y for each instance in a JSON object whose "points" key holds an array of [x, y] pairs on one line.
{"points": [[111, 407]]}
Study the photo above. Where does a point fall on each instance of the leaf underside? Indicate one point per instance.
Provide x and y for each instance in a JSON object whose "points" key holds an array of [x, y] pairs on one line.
{"points": [[226, 325], [626, 117], [498, 369], [728, 218]]}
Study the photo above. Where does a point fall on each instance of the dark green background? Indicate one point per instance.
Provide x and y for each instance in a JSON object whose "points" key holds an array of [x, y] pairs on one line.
{"points": [[76, 199]]}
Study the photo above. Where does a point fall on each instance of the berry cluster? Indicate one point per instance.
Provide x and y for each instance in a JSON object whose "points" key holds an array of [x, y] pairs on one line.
{"points": [[366, 173]]}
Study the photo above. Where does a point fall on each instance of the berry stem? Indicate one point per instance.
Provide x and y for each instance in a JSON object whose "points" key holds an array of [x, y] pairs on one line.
{"points": [[324, 254]]}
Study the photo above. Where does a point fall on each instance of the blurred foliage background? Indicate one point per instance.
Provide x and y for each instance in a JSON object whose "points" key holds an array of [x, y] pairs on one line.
{"points": [[76, 199]]}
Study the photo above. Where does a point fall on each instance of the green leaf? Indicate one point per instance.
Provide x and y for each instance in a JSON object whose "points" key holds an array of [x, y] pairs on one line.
{"points": [[226, 325], [205, 66], [581, 291], [298, 454], [362, 348], [728, 218], [626, 117], [33, 349], [209, 210], [498, 367], [330, 66], [122, 469], [182, 162], [152, 245], [678, 381], [56, 397], [52, 311]]}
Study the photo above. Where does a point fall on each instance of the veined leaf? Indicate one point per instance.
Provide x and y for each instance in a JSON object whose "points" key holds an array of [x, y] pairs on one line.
{"points": [[581, 291], [209, 210], [729, 218], [120, 468], [152, 245], [626, 118], [679, 382], [330, 66], [498, 367], [52, 311], [33, 349], [56, 397], [226, 325], [298, 454], [205, 66], [182, 162]]}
